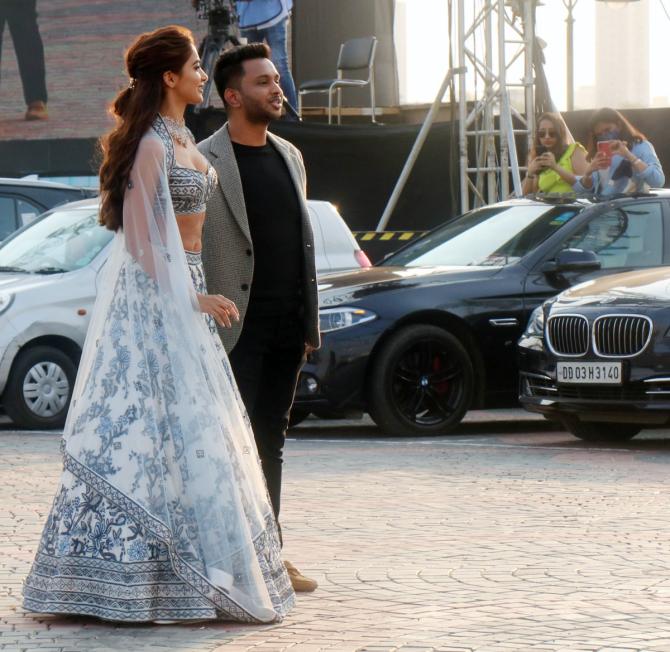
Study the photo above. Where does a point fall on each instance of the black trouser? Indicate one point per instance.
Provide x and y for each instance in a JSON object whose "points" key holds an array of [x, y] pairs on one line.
{"points": [[266, 362], [21, 16]]}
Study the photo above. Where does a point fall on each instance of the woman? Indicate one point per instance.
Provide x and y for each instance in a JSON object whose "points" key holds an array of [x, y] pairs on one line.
{"points": [[554, 162], [625, 161], [162, 512]]}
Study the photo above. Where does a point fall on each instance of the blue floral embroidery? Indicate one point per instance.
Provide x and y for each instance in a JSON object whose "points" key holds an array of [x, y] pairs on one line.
{"points": [[103, 554]]}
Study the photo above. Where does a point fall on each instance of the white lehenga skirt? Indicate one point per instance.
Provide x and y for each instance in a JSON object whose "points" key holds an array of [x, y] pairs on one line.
{"points": [[103, 554]]}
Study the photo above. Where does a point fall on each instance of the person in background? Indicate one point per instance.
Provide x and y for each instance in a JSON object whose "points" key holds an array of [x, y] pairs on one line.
{"points": [[21, 17], [554, 163], [266, 20], [622, 159]]}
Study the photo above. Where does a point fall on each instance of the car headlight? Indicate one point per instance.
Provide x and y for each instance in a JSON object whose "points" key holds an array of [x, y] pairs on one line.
{"points": [[335, 319], [5, 301], [535, 326]]}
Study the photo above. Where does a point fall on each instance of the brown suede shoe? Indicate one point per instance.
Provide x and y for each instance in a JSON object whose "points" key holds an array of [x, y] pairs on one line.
{"points": [[37, 111], [299, 582]]}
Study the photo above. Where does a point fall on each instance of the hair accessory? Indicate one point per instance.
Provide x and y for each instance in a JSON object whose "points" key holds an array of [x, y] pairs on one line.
{"points": [[131, 83]]}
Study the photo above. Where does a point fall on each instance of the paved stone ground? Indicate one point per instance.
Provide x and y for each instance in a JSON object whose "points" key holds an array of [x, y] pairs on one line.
{"points": [[508, 536]]}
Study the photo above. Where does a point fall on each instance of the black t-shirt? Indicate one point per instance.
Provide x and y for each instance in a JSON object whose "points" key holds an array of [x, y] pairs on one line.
{"points": [[275, 223]]}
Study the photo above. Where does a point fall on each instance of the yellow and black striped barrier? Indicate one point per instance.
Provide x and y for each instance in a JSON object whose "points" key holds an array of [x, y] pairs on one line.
{"points": [[379, 244], [397, 236]]}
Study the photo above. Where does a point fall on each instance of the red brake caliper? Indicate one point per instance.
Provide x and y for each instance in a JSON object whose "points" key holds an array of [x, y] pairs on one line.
{"points": [[443, 387]]}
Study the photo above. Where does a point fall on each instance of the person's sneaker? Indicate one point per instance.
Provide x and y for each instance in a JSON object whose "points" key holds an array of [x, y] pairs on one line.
{"points": [[37, 111], [299, 582]]}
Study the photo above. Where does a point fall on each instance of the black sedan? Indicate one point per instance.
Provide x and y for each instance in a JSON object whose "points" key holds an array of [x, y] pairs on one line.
{"points": [[432, 332], [597, 357], [22, 200]]}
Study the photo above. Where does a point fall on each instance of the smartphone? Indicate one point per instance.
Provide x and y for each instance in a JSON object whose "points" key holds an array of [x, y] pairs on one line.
{"points": [[605, 146]]}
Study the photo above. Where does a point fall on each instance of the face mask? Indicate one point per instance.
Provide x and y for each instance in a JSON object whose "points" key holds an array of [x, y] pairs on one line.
{"points": [[614, 134]]}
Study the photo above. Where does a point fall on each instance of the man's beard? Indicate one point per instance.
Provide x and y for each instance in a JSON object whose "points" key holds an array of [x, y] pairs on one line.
{"points": [[259, 113]]}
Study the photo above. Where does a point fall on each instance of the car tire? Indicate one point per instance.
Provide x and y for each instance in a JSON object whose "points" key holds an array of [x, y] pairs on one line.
{"points": [[602, 431], [39, 388], [421, 383], [298, 415]]}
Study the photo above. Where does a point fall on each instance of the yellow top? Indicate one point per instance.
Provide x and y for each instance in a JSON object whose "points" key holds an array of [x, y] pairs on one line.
{"points": [[551, 181]]}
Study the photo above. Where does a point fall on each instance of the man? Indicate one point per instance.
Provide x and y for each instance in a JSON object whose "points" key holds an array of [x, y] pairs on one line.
{"points": [[267, 20], [258, 250], [21, 17]]}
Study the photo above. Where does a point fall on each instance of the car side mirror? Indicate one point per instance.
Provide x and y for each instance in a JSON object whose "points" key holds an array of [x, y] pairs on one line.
{"points": [[572, 260]]}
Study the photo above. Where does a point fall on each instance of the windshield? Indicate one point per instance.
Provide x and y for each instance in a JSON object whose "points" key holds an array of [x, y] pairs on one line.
{"points": [[62, 241], [494, 236]]}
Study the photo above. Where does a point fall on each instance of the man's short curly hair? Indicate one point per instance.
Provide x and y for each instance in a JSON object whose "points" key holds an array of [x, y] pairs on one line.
{"points": [[228, 70]]}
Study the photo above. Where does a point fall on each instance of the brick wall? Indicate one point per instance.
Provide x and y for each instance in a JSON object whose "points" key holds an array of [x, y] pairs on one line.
{"points": [[84, 44]]}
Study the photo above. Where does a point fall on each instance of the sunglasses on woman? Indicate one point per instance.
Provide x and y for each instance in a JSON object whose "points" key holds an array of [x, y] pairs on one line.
{"points": [[546, 133]]}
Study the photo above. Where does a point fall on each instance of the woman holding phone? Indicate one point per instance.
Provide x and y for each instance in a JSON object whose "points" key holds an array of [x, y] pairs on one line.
{"points": [[554, 163], [622, 159]]}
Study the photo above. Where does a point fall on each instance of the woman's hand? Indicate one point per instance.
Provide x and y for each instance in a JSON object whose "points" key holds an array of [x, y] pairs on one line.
{"points": [[535, 166], [548, 161], [620, 147], [222, 309], [599, 162]]}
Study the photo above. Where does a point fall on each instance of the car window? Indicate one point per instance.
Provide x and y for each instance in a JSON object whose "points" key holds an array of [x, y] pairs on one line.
{"points": [[492, 236], [27, 211], [61, 241], [7, 216], [626, 236]]}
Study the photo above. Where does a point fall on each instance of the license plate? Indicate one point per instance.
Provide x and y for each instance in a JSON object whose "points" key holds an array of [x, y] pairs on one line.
{"points": [[589, 373]]}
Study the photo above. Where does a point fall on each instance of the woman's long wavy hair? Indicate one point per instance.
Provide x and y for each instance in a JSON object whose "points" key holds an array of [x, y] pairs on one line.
{"points": [[135, 108], [629, 133]]}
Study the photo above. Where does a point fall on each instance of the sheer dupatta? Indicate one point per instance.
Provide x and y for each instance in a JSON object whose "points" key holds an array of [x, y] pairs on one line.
{"points": [[163, 433]]}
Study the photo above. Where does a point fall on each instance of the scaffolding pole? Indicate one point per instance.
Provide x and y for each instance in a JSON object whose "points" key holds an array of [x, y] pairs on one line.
{"points": [[488, 139], [416, 148]]}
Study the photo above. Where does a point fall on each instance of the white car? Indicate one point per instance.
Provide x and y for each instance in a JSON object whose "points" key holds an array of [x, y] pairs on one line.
{"points": [[48, 275]]}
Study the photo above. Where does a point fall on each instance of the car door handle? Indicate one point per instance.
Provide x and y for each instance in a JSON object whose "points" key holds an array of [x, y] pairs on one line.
{"points": [[504, 321]]}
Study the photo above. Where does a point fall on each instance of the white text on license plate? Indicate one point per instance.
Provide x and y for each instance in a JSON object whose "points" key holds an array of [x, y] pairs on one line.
{"points": [[589, 373]]}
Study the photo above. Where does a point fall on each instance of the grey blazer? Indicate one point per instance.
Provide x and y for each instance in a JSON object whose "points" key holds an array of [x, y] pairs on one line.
{"points": [[227, 249]]}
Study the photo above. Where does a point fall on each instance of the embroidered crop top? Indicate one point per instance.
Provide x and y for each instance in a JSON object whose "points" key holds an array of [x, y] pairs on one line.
{"points": [[189, 188]]}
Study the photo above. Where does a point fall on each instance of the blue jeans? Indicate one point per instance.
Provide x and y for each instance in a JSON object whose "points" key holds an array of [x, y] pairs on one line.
{"points": [[275, 37]]}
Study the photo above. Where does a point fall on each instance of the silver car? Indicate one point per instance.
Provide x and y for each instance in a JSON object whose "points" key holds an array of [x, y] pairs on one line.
{"points": [[49, 272]]}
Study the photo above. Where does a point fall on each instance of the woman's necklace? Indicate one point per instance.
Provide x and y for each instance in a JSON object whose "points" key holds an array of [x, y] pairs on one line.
{"points": [[177, 130]]}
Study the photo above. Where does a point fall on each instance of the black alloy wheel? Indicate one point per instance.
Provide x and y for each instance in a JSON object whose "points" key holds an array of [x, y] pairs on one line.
{"points": [[422, 382]]}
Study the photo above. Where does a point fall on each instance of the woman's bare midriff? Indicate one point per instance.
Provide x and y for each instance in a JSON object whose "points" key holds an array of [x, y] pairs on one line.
{"points": [[190, 229]]}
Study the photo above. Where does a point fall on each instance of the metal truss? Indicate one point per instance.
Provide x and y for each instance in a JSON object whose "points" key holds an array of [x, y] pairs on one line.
{"points": [[500, 34]]}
